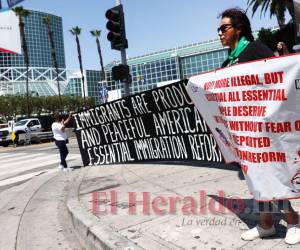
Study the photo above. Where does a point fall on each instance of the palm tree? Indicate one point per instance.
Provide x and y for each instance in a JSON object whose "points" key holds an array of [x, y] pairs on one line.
{"points": [[277, 8], [22, 13], [48, 22], [76, 32], [97, 33]]}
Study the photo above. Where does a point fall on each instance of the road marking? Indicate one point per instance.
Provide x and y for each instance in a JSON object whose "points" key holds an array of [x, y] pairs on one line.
{"points": [[45, 148], [25, 177], [19, 162], [14, 158], [42, 162], [1, 154], [9, 155]]}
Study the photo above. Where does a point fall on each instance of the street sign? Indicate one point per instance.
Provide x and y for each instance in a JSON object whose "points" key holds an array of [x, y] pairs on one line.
{"points": [[104, 92], [13, 136]]}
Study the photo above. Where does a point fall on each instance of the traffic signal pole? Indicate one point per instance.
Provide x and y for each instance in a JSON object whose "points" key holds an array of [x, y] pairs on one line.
{"points": [[125, 83], [124, 62]]}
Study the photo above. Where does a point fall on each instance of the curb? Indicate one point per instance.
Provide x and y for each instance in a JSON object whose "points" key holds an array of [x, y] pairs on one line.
{"points": [[14, 207], [89, 231]]}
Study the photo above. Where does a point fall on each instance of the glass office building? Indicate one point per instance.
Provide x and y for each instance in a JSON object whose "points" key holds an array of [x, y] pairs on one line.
{"points": [[164, 67], [92, 84], [155, 69], [73, 87], [42, 75]]}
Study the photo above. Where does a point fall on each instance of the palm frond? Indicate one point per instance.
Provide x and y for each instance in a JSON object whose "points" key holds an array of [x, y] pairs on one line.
{"points": [[47, 20], [75, 31], [20, 11], [96, 33]]}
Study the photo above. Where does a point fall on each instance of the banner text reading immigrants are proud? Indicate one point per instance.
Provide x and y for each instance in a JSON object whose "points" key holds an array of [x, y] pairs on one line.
{"points": [[159, 124]]}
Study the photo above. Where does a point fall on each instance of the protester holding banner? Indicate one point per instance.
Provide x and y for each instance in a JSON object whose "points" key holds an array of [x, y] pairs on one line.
{"points": [[235, 32], [60, 136]]}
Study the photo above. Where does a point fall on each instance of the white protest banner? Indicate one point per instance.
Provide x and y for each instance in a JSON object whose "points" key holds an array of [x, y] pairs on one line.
{"points": [[253, 110], [9, 33]]}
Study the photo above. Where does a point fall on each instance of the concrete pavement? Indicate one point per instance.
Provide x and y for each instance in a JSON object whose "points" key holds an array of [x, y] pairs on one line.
{"points": [[182, 208], [33, 212], [33, 215]]}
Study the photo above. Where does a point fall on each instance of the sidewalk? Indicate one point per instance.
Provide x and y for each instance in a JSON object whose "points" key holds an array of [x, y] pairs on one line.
{"points": [[214, 226]]}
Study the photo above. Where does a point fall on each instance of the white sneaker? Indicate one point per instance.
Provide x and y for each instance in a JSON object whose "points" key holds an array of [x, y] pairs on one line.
{"points": [[60, 167], [68, 169], [292, 236], [258, 232]]}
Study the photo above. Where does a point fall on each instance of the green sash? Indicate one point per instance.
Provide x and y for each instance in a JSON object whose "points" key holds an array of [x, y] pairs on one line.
{"points": [[241, 46]]}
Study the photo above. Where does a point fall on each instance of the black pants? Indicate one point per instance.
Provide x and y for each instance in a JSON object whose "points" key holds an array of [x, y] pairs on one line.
{"points": [[63, 151], [273, 206]]}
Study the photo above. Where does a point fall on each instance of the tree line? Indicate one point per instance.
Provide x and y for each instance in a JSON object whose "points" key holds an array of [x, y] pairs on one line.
{"points": [[15, 105]]}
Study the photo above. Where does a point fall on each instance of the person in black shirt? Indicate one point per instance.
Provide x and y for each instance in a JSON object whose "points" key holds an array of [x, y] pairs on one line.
{"points": [[235, 32]]}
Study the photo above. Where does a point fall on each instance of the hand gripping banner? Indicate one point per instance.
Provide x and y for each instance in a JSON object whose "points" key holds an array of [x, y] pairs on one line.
{"points": [[253, 110]]}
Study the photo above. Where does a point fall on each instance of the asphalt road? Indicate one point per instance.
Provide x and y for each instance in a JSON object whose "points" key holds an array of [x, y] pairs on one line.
{"points": [[33, 194], [22, 163]]}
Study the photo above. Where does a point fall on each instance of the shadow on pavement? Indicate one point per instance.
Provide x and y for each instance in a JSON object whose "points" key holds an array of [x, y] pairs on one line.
{"points": [[247, 211], [219, 165], [76, 167]]}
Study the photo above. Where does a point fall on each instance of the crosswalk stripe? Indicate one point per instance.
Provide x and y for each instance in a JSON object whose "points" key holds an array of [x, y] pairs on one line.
{"points": [[45, 148], [16, 157], [43, 162], [2, 154], [19, 162], [9, 155], [16, 162], [24, 177], [32, 167]]}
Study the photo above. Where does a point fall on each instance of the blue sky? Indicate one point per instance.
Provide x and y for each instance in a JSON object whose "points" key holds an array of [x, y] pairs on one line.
{"points": [[151, 25]]}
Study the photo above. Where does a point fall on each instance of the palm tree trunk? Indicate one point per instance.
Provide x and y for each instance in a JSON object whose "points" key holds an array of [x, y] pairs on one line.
{"points": [[290, 6], [26, 59], [53, 54], [81, 69], [101, 60], [280, 20]]}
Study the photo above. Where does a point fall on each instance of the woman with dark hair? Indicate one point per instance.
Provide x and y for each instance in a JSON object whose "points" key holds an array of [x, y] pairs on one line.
{"points": [[235, 32]]}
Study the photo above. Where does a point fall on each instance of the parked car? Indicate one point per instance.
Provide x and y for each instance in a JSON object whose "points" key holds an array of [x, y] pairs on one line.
{"points": [[25, 126], [5, 139], [28, 126]]}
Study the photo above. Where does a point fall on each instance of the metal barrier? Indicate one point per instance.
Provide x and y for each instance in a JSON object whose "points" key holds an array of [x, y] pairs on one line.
{"points": [[38, 137], [41, 136], [24, 138]]}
